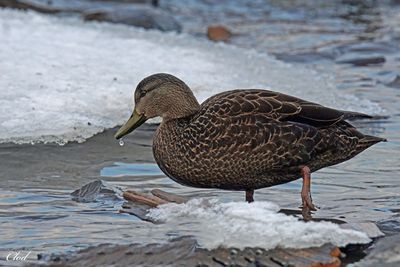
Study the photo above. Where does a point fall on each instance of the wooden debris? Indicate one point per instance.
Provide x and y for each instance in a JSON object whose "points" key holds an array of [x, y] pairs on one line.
{"points": [[168, 196], [142, 198], [139, 203]]}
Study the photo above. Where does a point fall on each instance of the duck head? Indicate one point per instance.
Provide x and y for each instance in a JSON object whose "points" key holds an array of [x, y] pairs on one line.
{"points": [[160, 95]]}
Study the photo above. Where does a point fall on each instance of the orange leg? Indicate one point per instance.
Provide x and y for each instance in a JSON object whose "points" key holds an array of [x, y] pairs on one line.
{"points": [[305, 190], [249, 196]]}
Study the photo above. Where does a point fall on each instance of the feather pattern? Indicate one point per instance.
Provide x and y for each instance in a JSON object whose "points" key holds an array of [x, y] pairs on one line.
{"points": [[250, 139]]}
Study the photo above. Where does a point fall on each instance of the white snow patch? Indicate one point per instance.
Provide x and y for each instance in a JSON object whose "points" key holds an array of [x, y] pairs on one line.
{"points": [[257, 224], [62, 79]]}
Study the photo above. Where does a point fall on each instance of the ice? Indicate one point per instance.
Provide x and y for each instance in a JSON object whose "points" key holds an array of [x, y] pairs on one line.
{"points": [[257, 224], [62, 79]]}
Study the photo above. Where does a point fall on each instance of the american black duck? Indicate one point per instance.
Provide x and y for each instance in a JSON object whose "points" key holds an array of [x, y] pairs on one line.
{"points": [[242, 139]]}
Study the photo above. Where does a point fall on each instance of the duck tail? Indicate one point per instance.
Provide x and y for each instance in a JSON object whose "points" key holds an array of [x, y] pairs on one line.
{"points": [[370, 140], [351, 115]]}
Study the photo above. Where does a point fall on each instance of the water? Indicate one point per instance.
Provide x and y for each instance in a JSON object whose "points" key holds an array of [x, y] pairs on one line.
{"points": [[120, 169], [36, 211]]}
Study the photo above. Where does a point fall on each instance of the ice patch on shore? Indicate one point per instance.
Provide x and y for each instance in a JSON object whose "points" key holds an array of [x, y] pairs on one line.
{"points": [[62, 79], [258, 224]]}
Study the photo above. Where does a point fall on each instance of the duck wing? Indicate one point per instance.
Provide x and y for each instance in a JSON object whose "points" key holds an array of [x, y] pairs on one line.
{"points": [[261, 131], [276, 106]]}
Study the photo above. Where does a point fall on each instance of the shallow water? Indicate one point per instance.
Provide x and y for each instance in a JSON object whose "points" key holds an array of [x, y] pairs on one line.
{"points": [[37, 213]]}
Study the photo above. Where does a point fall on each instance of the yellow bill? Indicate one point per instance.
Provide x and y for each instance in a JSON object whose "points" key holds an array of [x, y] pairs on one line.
{"points": [[134, 121]]}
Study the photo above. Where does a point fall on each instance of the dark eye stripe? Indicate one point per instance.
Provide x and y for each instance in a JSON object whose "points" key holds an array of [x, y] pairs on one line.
{"points": [[149, 89], [152, 82]]}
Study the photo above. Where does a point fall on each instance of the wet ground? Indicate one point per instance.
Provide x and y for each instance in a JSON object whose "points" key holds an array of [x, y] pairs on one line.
{"points": [[356, 41]]}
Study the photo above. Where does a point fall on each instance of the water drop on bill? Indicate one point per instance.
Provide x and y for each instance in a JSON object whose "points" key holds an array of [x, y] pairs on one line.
{"points": [[121, 142]]}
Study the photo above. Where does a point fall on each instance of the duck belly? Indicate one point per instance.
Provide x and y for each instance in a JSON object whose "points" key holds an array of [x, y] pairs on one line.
{"points": [[229, 177]]}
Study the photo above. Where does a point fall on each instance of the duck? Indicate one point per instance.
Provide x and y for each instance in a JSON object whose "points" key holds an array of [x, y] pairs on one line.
{"points": [[243, 139]]}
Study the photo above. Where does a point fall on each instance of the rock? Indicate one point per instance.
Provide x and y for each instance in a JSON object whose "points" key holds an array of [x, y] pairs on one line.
{"points": [[136, 15], [92, 191], [218, 33], [395, 83], [139, 15], [361, 60], [126, 255], [370, 47], [390, 226], [183, 251], [137, 210], [386, 253], [18, 4], [305, 57]]}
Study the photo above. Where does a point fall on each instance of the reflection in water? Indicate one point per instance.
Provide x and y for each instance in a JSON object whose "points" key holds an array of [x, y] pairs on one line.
{"points": [[125, 169]]}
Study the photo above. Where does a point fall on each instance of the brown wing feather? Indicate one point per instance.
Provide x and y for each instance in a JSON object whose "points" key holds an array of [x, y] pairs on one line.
{"points": [[252, 123], [276, 106]]}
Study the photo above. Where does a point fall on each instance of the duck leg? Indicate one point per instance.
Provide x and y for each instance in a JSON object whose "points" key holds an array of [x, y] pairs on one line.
{"points": [[305, 190], [249, 196]]}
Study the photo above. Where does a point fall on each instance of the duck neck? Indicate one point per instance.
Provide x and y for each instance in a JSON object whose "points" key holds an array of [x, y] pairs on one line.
{"points": [[186, 107]]}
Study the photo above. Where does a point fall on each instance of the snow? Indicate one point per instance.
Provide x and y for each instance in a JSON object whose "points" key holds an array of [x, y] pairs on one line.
{"points": [[257, 224], [62, 79]]}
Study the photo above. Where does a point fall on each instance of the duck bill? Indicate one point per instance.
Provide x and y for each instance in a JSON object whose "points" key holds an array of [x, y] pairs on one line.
{"points": [[134, 121]]}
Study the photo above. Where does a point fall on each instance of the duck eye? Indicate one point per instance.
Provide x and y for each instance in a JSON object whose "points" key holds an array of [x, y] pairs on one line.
{"points": [[142, 94]]}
